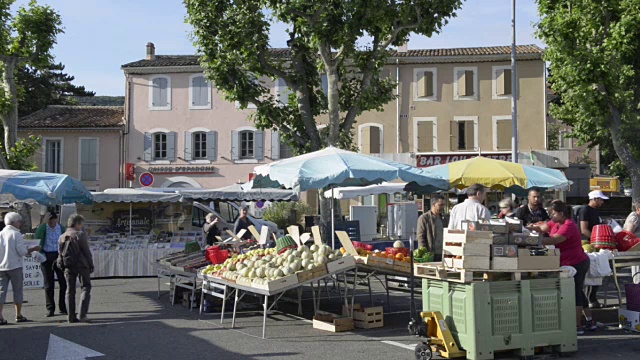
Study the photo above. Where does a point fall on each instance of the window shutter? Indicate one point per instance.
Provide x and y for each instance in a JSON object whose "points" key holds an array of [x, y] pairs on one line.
{"points": [[453, 135], [235, 148], [171, 146], [188, 146], [421, 79], [503, 142], [160, 88], [148, 146], [275, 145], [156, 92], [325, 84], [500, 74], [196, 91], [468, 77], [258, 145], [507, 82], [425, 136], [212, 145], [469, 135], [365, 140]]}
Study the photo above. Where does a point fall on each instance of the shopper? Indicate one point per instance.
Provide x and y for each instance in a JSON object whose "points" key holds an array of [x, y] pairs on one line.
{"points": [[243, 223], [76, 260], [506, 209], [12, 250], [471, 209], [431, 227], [564, 234], [632, 224], [589, 217], [4, 213], [210, 230], [49, 233], [533, 212]]}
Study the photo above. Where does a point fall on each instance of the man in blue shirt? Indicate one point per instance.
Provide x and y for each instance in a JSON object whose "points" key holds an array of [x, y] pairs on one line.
{"points": [[48, 234]]}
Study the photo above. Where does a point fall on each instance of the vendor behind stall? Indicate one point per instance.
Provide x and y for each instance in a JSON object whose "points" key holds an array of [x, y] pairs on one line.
{"points": [[243, 223], [533, 212], [431, 227], [471, 209]]}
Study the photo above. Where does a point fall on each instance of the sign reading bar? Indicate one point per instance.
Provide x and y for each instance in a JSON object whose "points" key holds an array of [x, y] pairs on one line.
{"points": [[439, 159]]}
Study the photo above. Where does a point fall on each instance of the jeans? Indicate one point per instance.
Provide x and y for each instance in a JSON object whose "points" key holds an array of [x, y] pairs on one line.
{"points": [[49, 269], [84, 275]]}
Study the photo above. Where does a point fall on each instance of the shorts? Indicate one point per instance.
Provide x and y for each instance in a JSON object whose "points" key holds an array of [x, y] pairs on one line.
{"points": [[582, 268], [16, 278]]}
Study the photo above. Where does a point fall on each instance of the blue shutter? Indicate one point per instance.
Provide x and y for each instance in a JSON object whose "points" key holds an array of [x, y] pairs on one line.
{"points": [[212, 145], [275, 145], [325, 84], [171, 146], [258, 145], [235, 149], [160, 92], [199, 91], [188, 146], [148, 146]]}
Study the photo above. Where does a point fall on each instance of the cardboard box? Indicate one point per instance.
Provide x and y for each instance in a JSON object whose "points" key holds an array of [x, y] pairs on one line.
{"points": [[504, 250], [520, 239], [333, 323], [629, 320], [496, 228], [500, 239], [524, 261]]}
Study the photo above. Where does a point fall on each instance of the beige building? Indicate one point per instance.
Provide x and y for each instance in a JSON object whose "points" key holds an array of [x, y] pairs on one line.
{"points": [[84, 142]]}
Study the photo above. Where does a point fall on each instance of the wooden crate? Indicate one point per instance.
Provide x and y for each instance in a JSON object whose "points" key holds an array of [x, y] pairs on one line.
{"points": [[365, 318], [402, 266], [381, 263], [465, 236], [429, 270], [468, 262], [333, 323], [277, 284], [466, 249], [341, 264], [307, 275], [437, 272]]}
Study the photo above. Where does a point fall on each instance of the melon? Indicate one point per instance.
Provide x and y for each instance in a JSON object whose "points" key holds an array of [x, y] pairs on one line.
{"points": [[398, 244]]}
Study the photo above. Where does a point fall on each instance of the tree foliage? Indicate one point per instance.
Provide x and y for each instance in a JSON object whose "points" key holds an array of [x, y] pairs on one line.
{"points": [[594, 54], [26, 38], [346, 41], [285, 214], [21, 155]]}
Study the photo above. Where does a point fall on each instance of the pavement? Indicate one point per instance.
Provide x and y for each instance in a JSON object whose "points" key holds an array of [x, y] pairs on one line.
{"points": [[131, 322]]}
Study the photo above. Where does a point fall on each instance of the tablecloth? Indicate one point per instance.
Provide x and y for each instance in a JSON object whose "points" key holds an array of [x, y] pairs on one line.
{"points": [[127, 263]]}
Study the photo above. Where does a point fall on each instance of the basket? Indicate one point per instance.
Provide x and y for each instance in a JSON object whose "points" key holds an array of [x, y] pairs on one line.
{"points": [[626, 240], [602, 237], [284, 243], [395, 251], [216, 256], [632, 292], [359, 245]]}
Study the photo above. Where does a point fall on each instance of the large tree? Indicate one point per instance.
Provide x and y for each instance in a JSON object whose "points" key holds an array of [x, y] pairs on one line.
{"points": [[593, 47], [26, 38]]}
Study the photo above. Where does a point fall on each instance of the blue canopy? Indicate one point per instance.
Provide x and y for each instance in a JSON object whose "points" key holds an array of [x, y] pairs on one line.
{"points": [[338, 168], [44, 188]]}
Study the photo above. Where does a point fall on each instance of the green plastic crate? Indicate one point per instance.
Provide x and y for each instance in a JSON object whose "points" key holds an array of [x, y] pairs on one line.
{"points": [[485, 317]]}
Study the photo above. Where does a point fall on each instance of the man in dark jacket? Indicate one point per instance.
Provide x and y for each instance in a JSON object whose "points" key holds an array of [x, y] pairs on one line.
{"points": [[76, 259], [49, 233], [431, 228]]}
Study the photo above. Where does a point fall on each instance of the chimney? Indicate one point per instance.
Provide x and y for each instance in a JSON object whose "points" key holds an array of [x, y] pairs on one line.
{"points": [[403, 48], [151, 51]]}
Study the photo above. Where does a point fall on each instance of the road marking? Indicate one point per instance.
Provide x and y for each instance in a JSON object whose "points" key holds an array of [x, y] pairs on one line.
{"points": [[61, 349], [395, 343]]}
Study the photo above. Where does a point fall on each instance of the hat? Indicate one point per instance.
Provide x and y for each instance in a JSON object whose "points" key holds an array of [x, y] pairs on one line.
{"points": [[597, 194]]}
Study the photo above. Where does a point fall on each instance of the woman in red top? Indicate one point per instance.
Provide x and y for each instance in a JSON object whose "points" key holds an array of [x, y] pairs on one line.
{"points": [[565, 235]]}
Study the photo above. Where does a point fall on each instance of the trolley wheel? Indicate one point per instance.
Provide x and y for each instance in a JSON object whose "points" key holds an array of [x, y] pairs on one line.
{"points": [[423, 352]]}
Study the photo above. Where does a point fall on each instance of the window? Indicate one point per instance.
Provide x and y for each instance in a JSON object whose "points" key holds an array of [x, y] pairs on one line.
{"points": [[160, 146], [464, 133], [371, 138], [501, 82], [160, 94], [425, 88], [465, 85], [89, 159], [285, 151], [200, 92], [53, 156], [282, 91], [502, 132], [279, 149], [565, 141], [247, 144], [199, 145], [425, 135]]}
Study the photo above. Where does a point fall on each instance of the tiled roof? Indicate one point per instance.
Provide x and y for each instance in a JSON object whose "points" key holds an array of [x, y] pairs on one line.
{"points": [[64, 116], [192, 60]]}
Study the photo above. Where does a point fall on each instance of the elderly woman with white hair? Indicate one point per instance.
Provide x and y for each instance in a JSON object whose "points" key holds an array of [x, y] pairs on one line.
{"points": [[507, 209], [12, 250]]}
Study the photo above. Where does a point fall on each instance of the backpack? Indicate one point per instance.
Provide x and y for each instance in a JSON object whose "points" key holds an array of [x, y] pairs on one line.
{"points": [[69, 257]]}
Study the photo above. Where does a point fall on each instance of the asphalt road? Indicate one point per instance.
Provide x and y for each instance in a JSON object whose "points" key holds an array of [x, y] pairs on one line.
{"points": [[129, 322]]}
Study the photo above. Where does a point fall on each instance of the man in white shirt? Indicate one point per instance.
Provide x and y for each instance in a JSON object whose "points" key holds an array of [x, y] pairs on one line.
{"points": [[471, 209]]}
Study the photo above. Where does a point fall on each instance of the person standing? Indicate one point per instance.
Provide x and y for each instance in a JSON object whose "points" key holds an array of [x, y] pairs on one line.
{"points": [[210, 230], [49, 233], [471, 209], [589, 217], [243, 223], [76, 260], [431, 228], [533, 212], [506, 209], [12, 250], [632, 224]]}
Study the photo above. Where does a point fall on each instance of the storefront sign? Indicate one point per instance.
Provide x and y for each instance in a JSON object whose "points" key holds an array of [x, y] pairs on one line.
{"points": [[140, 219], [182, 170], [439, 159]]}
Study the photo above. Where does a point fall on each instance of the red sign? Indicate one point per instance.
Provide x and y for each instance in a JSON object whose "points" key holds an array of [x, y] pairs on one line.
{"points": [[251, 176], [439, 159], [146, 179], [130, 171]]}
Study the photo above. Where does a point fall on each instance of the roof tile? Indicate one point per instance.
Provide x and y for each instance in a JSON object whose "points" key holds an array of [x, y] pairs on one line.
{"points": [[65, 116]]}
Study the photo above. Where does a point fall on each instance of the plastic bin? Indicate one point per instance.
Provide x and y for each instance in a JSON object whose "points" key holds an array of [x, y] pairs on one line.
{"points": [[485, 317]]}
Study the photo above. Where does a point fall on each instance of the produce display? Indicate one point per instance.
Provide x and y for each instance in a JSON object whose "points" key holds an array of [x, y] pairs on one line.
{"points": [[191, 262], [422, 255]]}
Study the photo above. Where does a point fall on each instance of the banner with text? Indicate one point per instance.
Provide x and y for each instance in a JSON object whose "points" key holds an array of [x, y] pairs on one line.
{"points": [[427, 160]]}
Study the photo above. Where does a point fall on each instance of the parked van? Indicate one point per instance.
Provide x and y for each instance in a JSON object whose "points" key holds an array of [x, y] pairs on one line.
{"points": [[227, 214]]}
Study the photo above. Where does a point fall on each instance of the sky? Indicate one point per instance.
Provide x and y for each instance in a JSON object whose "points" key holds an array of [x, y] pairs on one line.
{"points": [[101, 35]]}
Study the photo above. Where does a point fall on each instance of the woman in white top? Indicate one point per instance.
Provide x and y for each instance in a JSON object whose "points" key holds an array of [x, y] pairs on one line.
{"points": [[632, 224], [12, 250]]}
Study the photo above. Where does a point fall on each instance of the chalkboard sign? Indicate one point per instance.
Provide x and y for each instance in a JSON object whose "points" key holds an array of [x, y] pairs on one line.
{"points": [[352, 228]]}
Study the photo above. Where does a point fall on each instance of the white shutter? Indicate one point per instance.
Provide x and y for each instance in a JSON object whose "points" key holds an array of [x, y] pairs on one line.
{"points": [[275, 145], [188, 146], [235, 148], [212, 145], [171, 146], [148, 147], [258, 145]]}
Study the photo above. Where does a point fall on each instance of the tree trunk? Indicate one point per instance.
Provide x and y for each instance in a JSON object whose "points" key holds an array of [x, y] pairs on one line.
{"points": [[10, 118], [333, 98], [624, 152]]}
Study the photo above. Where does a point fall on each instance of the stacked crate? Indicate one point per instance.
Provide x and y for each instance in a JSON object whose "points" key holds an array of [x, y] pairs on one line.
{"points": [[463, 249]]}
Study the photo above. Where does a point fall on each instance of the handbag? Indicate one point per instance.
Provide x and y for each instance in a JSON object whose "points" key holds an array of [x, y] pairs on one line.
{"points": [[38, 256]]}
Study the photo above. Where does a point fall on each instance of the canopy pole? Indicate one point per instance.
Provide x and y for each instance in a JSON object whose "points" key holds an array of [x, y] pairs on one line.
{"points": [[130, 218], [333, 225]]}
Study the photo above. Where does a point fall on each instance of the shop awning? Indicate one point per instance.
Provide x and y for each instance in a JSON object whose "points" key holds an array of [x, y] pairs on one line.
{"points": [[134, 196], [235, 193]]}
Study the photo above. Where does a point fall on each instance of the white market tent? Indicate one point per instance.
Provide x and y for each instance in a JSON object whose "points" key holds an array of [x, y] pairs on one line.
{"points": [[351, 192]]}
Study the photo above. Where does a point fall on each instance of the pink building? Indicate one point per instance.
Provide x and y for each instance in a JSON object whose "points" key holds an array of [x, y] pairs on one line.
{"points": [[180, 129]]}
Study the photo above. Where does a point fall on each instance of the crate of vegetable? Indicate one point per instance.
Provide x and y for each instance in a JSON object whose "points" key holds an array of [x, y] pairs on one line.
{"points": [[422, 255]]}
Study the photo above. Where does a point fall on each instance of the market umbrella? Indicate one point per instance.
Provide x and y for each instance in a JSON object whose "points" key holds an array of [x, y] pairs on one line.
{"points": [[351, 192], [333, 167], [45, 188], [496, 174]]}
